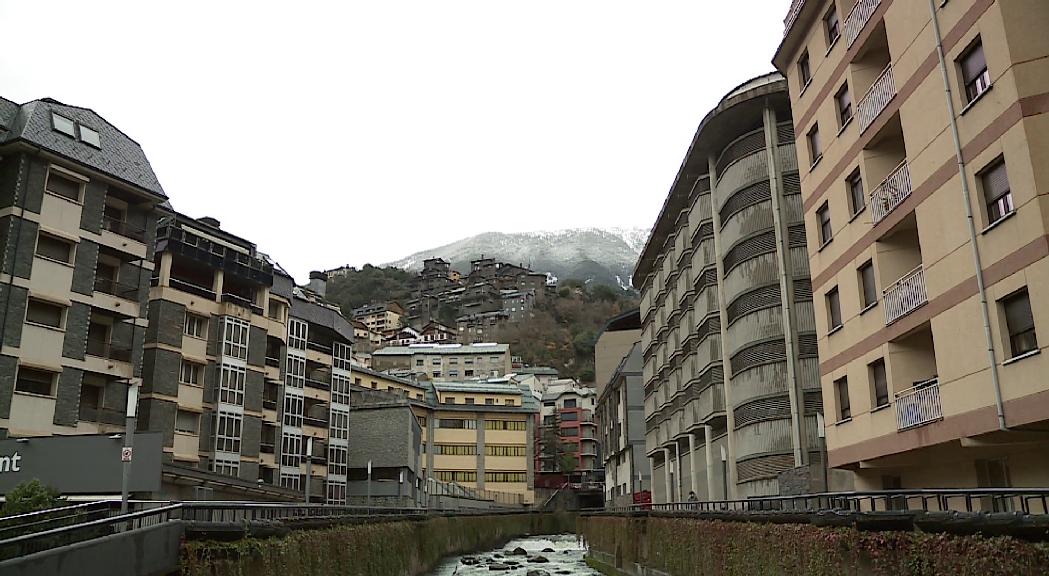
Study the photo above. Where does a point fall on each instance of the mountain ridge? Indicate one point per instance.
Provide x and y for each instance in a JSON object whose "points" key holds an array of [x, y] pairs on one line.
{"points": [[592, 255]]}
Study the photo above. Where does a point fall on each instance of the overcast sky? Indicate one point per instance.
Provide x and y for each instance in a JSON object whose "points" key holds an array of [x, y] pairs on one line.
{"points": [[353, 132]]}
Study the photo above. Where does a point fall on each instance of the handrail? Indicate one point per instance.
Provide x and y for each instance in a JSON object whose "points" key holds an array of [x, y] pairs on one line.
{"points": [[876, 99]]}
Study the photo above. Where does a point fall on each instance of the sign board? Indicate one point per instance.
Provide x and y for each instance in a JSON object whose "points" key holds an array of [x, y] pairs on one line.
{"points": [[125, 454], [89, 464]]}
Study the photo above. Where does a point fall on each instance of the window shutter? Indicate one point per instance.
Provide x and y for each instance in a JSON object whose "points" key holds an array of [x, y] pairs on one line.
{"points": [[996, 182], [974, 63]]}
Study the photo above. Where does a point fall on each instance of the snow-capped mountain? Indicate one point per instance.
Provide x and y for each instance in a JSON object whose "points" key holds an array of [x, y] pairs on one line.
{"points": [[605, 256]]}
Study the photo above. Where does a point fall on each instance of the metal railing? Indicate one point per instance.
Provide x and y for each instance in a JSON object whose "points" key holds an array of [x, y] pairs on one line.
{"points": [[243, 302], [118, 289], [876, 99], [919, 405], [317, 346], [103, 349], [857, 19], [905, 295], [891, 192], [1033, 501], [122, 228], [191, 288], [792, 15]]}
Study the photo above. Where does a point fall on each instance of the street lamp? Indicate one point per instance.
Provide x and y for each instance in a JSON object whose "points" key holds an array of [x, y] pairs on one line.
{"points": [[129, 442], [309, 466]]}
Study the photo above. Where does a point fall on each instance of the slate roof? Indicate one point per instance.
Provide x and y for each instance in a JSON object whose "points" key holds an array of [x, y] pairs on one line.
{"points": [[120, 156], [480, 387]]}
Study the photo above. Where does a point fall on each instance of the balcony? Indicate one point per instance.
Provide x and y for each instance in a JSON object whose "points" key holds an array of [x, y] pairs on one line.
{"points": [[876, 99], [919, 405], [191, 288], [114, 288], [891, 192], [103, 349], [905, 296], [101, 415], [124, 229], [857, 20], [319, 347], [243, 302]]}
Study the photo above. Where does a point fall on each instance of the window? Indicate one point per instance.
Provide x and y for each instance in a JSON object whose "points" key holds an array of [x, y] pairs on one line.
{"points": [[457, 424], [33, 381], [290, 454], [804, 72], [90, 137], [227, 434], [437, 374], [44, 313], [226, 466], [857, 201], [570, 416], [974, 71], [844, 101], [340, 389], [64, 186], [293, 406], [996, 192], [196, 326], [832, 25], [340, 424], [490, 450], [54, 248], [468, 373], [62, 124], [297, 334], [513, 425], [418, 361], [879, 382], [841, 392], [489, 401], [191, 373], [235, 340], [455, 476], [295, 372], [508, 402], [453, 373], [815, 148], [276, 310], [455, 449], [449, 400], [337, 458], [833, 309], [823, 217], [187, 422], [469, 401], [1020, 323], [231, 386], [868, 288], [570, 431], [504, 477], [342, 355], [570, 403]]}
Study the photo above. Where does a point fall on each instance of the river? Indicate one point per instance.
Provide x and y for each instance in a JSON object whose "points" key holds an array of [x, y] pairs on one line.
{"points": [[563, 553]]}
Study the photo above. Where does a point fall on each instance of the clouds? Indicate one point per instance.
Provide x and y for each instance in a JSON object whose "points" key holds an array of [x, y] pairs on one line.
{"points": [[362, 131]]}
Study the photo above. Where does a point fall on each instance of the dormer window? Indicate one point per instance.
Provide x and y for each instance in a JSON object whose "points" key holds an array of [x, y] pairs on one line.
{"points": [[63, 125], [89, 137]]}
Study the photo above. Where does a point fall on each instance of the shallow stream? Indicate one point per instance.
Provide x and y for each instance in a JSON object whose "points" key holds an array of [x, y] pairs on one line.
{"points": [[563, 556]]}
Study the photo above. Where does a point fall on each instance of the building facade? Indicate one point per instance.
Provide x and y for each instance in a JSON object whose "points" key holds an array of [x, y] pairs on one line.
{"points": [[621, 421], [449, 361], [729, 341], [927, 234], [569, 430], [380, 317], [78, 207]]}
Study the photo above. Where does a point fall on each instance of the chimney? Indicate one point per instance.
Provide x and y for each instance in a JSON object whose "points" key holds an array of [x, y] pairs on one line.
{"points": [[318, 283], [208, 220]]}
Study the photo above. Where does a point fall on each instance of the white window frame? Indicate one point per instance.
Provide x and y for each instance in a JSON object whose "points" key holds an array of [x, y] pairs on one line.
{"points": [[231, 384], [298, 333], [228, 427], [235, 337]]}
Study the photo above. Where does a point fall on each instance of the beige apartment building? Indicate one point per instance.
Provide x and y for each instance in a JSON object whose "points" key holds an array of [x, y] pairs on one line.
{"points": [[448, 361], [728, 338], [479, 434], [923, 168]]}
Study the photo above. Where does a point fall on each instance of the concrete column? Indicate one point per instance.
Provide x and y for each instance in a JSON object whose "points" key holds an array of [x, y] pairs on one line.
{"points": [[692, 462], [786, 290], [726, 366], [216, 285], [680, 483], [666, 475], [165, 269], [708, 436]]}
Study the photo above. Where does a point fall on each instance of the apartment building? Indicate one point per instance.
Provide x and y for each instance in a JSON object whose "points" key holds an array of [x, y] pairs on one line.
{"points": [[621, 420], [380, 317], [477, 433], [920, 175], [614, 342], [315, 398], [78, 208], [214, 317], [450, 361], [729, 341], [569, 430], [365, 338], [481, 327]]}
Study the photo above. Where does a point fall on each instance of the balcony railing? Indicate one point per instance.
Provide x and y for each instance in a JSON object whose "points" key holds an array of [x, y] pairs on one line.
{"points": [[792, 15], [114, 288], [891, 192], [876, 99], [325, 348], [272, 361], [857, 20], [101, 415], [241, 301], [919, 405], [905, 296], [102, 349], [124, 229], [191, 288], [318, 384]]}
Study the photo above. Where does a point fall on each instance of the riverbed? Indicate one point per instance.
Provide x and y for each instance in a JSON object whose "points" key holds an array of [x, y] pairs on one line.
{"points": [[563, 555]]}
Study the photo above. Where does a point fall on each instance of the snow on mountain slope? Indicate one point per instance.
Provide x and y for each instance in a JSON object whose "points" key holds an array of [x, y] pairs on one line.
{"points": [[605, 256]]}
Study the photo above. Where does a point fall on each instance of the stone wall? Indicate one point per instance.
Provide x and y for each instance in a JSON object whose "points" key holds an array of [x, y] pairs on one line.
{"points": [[655, 545], [392, 546]]}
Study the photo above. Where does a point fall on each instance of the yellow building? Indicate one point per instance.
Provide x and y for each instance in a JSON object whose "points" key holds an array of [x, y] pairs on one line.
{"points": [[927, 233], [480, 434]]}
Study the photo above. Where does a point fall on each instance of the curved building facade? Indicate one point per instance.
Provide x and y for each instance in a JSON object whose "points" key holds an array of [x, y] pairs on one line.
{"points": [[732, 389]]}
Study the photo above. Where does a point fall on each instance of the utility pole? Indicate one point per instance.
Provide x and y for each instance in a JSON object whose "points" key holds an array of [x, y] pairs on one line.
{"points": [[129, 443]]}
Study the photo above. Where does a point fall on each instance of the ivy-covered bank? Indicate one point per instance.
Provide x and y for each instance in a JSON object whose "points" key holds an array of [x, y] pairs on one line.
{"points": [[395, 547], [687, 547]]}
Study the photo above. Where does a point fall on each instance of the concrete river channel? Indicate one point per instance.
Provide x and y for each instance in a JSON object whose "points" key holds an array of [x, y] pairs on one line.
{"points": [[535, 556]]}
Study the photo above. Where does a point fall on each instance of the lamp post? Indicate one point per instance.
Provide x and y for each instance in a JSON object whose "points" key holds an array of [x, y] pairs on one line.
{"points": [[309, 466], [129, 443], [724, 471], [368, 502]]}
